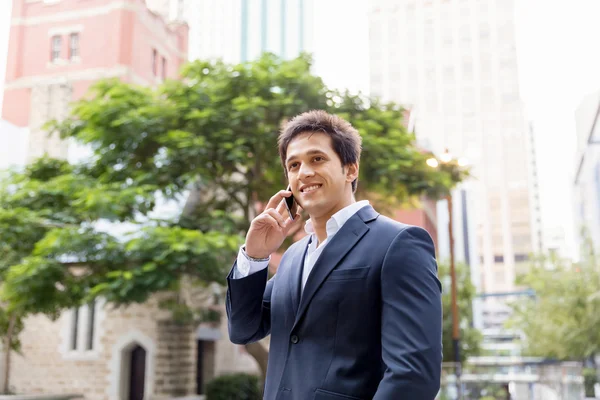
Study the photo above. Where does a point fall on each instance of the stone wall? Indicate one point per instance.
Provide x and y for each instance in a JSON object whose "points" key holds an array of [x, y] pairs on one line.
{"points": [[48, 365], [48, 102], [176, 359]]}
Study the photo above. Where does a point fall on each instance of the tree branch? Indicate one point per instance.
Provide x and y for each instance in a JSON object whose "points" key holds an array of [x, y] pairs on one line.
{"points": [[232, 193]]}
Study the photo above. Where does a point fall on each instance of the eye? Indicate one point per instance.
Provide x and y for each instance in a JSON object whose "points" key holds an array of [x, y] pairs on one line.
{"points": [[319, 158], [292, 165]]}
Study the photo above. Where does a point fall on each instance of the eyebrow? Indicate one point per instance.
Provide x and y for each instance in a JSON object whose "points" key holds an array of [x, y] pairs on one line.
{"points": [[309, 153]]}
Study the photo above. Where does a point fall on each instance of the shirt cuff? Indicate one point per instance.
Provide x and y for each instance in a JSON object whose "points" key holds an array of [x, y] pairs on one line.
{"points": [[245, 266]]}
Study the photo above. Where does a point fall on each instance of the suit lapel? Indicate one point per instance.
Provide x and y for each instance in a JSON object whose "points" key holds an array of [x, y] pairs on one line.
{"points": [[347, 237], [295, 271]]}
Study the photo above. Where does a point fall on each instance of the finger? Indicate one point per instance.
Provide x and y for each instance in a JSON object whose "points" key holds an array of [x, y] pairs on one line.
{"points": [[281, 208], [267, 219], [277, 197], [278, 217]]}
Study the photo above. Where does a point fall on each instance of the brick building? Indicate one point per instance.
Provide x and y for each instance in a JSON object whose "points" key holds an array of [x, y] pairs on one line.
{"points": [[57, 49]]}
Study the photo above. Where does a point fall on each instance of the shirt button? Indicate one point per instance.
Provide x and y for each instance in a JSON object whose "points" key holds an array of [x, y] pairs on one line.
{"points": [[294, 339]]}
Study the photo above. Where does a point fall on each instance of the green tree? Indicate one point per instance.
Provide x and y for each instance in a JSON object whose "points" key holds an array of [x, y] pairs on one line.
{"points": [[562, 320], [470, 337], [206, 142], [11, 325], [20, 229]]}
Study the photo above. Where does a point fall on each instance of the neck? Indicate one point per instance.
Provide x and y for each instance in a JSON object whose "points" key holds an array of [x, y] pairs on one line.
{"points": [[319, 223]]}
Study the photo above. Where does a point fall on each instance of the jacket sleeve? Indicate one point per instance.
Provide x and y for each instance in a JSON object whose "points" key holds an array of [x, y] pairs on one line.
{"points": [[411, 320], [248, 306]]}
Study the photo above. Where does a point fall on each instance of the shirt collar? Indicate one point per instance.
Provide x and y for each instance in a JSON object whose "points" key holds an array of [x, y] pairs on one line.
{"points": [[338, 219]]}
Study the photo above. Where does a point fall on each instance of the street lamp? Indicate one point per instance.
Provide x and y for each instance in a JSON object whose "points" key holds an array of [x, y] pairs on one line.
{"points": [[445, 159], [432, 162]]}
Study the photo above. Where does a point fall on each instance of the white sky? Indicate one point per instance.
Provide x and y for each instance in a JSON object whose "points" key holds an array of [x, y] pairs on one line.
{"points": [[558, 60]]}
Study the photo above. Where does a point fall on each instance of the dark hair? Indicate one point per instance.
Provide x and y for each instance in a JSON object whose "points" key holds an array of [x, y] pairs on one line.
{"points": [[345, 138]]}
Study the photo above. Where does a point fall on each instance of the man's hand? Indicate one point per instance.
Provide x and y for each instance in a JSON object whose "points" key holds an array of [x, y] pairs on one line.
{"points": [[269, 229]]}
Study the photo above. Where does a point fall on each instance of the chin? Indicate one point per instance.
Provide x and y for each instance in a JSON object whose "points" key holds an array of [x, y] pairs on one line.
{"points": [[310, 208], [316, 209]]}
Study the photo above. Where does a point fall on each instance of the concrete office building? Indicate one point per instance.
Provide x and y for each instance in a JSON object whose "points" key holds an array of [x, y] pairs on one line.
{"points": [[240, 30], [586, 180], [455, 64]]}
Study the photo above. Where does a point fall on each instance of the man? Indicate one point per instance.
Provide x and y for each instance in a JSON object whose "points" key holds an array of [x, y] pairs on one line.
{"points": [[354, 311]]}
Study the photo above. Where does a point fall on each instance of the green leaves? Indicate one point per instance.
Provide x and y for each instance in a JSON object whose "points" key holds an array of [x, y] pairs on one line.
{"points": [[67, 195], [208, 144], [470, 338], [20, 229], [562, 321]]}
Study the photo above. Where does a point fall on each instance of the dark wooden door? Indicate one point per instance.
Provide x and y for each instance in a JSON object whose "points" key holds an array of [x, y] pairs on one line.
{"points": [[137, 377], [199, 368]]}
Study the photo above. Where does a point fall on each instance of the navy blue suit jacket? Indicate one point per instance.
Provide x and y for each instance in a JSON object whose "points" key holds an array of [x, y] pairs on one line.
{"points": [[368, 324]]}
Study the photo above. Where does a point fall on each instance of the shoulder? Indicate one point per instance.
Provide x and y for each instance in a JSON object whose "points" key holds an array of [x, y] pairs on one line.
{"points": [[400, 232], [395, 227]]}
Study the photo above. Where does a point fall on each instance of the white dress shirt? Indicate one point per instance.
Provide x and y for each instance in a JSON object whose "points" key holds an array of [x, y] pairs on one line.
{"points": [[245, 266]]}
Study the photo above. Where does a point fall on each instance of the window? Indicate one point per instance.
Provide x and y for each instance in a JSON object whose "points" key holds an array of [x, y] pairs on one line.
{"points": [[164, 68], [484, 32], [82, 330], [521, 257], [449, 74], [74, 329], [154, 61], [90, 326], [465, 33], [55, 44], [73, 45], [467, 71]]}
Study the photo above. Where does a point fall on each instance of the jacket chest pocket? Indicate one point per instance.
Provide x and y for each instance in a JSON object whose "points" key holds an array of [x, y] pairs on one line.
{"points": [[348, 274], [343, 285]]}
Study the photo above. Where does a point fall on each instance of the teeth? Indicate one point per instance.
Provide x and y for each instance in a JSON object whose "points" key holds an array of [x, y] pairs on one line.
{"points": [[310, 188]]}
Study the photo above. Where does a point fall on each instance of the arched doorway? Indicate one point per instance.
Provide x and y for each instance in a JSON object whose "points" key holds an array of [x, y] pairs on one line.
{"points": [[134, 372], [132, 354], [137, 373]]}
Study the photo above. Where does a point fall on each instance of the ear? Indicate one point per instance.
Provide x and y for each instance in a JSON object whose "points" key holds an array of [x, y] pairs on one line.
{"points": [[351, 172]]}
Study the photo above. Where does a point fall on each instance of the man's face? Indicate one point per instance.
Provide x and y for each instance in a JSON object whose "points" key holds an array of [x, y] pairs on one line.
{"points": [[319, 182]]}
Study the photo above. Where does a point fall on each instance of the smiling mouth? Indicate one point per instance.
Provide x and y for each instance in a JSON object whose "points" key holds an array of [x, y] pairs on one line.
{"points": [[310, 189]]}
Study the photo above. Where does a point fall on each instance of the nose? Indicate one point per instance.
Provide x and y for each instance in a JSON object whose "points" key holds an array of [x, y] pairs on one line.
{"points": [[305, 171]]}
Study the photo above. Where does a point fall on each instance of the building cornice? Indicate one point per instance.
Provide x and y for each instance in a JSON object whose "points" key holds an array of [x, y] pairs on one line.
{"points": [[142, 13], [91, 74]]}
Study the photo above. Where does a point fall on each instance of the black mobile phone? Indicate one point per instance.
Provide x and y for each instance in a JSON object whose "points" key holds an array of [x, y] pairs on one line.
{"points": [[291, 205]]}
